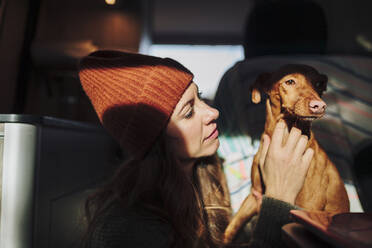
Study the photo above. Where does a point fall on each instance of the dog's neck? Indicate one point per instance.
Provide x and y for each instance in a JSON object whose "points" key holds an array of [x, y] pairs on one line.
{"points": [[274, 113]]}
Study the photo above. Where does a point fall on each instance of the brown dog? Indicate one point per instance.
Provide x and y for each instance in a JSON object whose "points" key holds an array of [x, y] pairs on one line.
{"points": [[294, 93]]}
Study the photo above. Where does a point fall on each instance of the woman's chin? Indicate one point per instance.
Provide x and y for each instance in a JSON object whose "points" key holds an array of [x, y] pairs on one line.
{"points": [[217, 145], [212, 149], [207, 151]]}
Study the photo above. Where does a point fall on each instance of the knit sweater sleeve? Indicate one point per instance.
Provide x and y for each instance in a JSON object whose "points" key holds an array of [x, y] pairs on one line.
{"points": [[273, 215], [118, 231]]}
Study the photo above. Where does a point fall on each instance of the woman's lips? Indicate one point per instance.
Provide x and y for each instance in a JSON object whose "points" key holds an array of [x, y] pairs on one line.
{"points": [[213, 135]]}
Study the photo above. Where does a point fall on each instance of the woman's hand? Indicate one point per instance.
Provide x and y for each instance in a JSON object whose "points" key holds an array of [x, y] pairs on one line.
{"points": [[284, 166]]}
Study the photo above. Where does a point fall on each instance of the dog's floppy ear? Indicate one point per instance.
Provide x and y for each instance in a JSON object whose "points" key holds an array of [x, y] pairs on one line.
{"points": [[260, 86], [256, 96]]}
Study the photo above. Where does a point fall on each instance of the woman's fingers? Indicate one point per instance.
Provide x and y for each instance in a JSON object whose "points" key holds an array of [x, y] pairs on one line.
{"points": [[284, 167], [265, 147], [306, 158], [300, 147], [293, 138], [277, 137]]}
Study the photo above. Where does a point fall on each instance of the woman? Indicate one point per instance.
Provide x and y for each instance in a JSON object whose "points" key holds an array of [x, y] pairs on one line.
{"points": [[171, 191]]}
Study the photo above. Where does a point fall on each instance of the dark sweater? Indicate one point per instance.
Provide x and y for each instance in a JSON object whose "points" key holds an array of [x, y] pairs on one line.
{"points": [[273, 215], [119, 228]]}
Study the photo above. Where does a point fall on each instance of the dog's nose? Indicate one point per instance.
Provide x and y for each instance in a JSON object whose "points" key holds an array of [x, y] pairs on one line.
{"points": [[317, 107]]}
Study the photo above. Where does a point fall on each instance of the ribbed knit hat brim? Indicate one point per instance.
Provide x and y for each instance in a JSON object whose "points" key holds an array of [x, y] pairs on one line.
{"points": [[134, 95]]}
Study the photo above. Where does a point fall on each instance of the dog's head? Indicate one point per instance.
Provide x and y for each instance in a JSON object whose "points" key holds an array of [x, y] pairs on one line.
{"points": [[298, 89]]}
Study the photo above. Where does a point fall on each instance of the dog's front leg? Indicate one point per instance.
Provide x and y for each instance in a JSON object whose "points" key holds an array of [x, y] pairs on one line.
{"points": [[245, 212], [249, 207]]}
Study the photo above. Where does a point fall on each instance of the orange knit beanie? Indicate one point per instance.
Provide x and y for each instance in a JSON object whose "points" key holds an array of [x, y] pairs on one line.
{"points": [[134, 95]]}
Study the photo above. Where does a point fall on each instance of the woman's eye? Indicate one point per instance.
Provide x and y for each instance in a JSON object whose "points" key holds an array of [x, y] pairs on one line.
{"points": [[290, 82], [190, 113]]}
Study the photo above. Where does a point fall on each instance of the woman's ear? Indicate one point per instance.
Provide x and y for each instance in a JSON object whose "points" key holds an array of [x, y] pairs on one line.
{"points": [[260, 86]]}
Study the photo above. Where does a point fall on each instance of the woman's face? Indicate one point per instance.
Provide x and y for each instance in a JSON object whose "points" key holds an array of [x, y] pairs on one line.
{"points": [[192, 129]]}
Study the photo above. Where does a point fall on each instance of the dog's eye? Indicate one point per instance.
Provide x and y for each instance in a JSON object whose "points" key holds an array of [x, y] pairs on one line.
{"points": [[290, 82]]}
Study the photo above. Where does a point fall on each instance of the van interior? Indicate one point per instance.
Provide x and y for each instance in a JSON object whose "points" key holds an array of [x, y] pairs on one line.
{"points": [[53, 149]]}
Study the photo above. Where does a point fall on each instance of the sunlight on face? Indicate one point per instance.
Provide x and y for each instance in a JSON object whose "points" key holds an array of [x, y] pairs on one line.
{"points": [[192, 128]]}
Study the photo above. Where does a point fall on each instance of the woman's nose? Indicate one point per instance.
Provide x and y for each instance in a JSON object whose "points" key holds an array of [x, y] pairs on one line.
{"points": [[211, 114]]}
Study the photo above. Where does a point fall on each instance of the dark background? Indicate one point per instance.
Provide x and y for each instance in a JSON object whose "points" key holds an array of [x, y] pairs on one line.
{"points": [[42, 40]]}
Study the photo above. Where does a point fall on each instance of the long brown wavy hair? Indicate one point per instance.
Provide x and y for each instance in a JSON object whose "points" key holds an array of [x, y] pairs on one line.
{"points": [[158, 183]]}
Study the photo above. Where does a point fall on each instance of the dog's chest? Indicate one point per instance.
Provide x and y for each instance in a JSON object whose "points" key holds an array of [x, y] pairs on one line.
{"points": [[313, 195]]}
